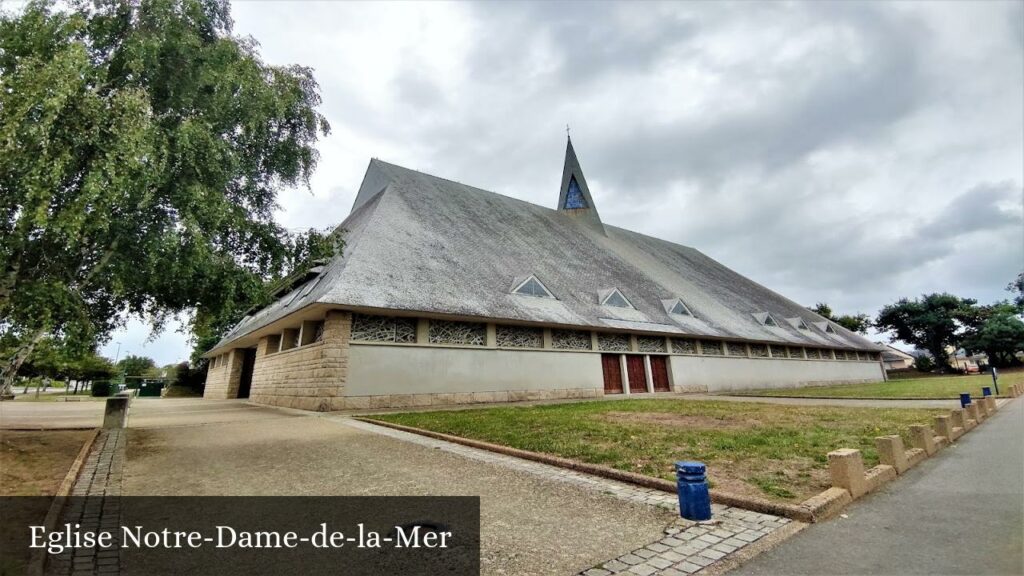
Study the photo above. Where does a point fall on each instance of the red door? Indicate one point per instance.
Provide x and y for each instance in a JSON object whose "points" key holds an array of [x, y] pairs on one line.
{"points": [[659, 373], [612, 373], [637, 374]]}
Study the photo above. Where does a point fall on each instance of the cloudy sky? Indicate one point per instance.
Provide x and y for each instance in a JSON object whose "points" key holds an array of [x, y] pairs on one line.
{"points": [[851, 153]]}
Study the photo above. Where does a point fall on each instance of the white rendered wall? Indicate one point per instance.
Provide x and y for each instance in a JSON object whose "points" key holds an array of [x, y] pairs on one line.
{"points": [[717, 374], [375, 370]]}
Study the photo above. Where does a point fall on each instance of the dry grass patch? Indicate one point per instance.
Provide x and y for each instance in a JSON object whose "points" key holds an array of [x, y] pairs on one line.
{"points": [[764, 450]]}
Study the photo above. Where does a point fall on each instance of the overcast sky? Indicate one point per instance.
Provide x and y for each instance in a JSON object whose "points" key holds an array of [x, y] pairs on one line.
{"points": [[852, 153]]}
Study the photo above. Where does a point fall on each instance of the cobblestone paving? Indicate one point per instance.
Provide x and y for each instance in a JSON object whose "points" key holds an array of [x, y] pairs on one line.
{"points": [[100, 476], [687, 547]]}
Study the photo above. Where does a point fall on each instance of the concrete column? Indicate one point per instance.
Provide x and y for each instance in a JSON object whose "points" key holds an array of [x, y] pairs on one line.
{"points": [[846, 466], [547, 338], [648, 376], [890, 452], [633, 345], [491, 340], [422, 331], [625, 374], [922, 437]]}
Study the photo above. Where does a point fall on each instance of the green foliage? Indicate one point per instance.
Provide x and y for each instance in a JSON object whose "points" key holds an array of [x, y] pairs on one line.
{"points": [[1001, 336], [136, 366], [102, 389], [142, 147], [924, 363], [1017, 288], [930, 323], [189, 376], [854, 323]]}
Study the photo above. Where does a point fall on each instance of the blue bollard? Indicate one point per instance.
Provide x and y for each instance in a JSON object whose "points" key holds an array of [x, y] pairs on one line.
{"points": [[965, 399], [692, 486], [986, 391]]}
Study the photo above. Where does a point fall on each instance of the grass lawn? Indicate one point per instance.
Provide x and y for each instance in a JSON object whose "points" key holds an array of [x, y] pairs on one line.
{"points": [[765, 450], [930, 387], [31, 464]]}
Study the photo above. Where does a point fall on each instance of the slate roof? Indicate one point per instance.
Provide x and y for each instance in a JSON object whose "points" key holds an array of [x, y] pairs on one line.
{"points": [[419, 243]]}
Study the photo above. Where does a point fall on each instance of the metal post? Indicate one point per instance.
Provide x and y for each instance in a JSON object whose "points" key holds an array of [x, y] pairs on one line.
{"points": [[692, 487], [995, 379]]}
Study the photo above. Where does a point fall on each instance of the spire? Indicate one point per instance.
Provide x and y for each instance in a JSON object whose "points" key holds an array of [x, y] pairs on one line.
{"points": [[574, 196]]}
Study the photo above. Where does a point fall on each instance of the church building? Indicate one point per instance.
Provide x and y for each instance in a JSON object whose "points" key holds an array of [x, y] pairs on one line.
{"points": [[449, 294]]}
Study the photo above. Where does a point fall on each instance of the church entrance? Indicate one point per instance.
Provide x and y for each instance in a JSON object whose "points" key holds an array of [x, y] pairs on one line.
{"points": [[612, 373], [659, 374], [637, 374]]}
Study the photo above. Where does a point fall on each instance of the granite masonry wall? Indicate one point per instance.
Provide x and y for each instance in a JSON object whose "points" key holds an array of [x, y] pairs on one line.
{"points": [[222, 381]]}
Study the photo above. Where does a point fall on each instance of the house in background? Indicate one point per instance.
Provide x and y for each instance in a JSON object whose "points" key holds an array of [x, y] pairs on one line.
{"points": [[450, 294], [895, 359]]}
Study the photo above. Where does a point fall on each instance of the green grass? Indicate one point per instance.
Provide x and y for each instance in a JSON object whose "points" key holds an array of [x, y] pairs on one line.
{"points": [[930, 387], [766, 450]]}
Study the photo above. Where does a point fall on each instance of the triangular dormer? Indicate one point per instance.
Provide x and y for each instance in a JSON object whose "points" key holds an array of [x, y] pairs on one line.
{"points": [[574, 196]]}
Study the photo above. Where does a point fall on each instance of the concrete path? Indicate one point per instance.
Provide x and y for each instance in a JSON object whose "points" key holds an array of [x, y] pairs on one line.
{"points": [[961, 512], [145, 413]]}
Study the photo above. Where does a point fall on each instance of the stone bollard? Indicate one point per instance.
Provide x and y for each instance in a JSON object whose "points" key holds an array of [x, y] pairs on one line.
{"points": [[992, 404], [115, 415], [891, 453], [961, 423], [922, 437], [846, 466], [976, 413]]}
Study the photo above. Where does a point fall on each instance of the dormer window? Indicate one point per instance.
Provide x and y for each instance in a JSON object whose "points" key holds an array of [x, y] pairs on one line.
{"points": [[825, 327], [798, 323], [766, 319], [532, 287], [676, 306], [615, 299]]}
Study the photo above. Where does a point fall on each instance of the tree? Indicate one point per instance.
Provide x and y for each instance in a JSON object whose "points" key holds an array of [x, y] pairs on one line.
{"points": [[930, 323], [142, 147], [854, 323], [1000, 337], [1017, 288], [136, 365]]}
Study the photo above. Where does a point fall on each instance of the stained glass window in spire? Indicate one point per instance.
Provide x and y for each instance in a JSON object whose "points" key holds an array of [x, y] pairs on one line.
{"points": [[574, 196]]}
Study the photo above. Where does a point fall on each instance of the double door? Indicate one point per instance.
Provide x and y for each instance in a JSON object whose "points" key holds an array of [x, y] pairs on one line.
{"points": [[636, 372]]}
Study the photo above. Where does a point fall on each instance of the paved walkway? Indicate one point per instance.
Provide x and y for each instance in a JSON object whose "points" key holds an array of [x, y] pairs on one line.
{"points": [[961, 512], [686, 547], [145, 413]]}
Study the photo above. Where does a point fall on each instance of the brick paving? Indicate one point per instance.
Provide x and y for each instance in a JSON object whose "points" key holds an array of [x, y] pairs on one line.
{"points": [[100, 476], [686, 548]]}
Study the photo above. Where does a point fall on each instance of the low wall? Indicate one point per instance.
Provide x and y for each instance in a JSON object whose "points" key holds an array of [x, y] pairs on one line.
{"points": [[460, 373], [720, 374]]}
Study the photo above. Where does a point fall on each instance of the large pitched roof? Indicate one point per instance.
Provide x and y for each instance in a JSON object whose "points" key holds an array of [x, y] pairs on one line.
{"points": [[419, 243]]}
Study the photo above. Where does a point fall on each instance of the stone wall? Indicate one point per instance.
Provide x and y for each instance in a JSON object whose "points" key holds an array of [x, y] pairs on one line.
{"points": [[310, 377], [222, 381]]}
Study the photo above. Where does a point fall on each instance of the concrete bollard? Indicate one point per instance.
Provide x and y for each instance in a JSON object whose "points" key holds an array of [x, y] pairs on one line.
{"points": [[891, 453], [846, 467], [922, 437], [944, 427], [991, 401], [961, 423], [976, 413], [115, 414]]}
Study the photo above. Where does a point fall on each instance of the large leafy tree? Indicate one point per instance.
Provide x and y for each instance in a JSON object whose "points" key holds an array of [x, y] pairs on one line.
{"points": [[136, 365], [1017, 288], [853, 322], [1000, 337], [142, 147], [932, 322]]}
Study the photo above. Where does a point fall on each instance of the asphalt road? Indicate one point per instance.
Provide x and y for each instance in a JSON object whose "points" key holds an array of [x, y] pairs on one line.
{"points": [[961, 512]]}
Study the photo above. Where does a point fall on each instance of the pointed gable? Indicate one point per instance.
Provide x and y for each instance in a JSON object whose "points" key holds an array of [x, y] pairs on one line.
{"points": [[574, 195]]}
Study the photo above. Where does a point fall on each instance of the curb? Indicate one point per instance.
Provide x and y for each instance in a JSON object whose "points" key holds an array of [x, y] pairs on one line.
{"points": [[802, 512], [915, 398], [37, 561]]}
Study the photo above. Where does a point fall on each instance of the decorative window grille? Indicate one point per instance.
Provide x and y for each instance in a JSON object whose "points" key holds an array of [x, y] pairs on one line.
{"points": [[296, 339], [826, 354], [613, 342], [367, 328], [795, 352], [533, 287], [736, 349], [813, 354], [318, 332], [840, 354], [519, 337], [464, 333], [574, 196], [758, 350], [778, 351], [650, 344], [617, 300], [711, 347], [683, 346], [570, 340]]}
